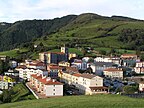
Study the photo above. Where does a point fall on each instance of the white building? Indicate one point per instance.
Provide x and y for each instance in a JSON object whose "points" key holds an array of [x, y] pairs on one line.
{"points": [[115, 60], [86, 83], [47, 86], [141, 86], [139, 68], [81, 65], [25, 73], [113, 72], [99, 67], [86, 59]]}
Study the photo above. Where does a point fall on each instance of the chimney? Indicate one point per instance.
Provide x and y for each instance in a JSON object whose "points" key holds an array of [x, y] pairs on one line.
{"points": [[53, 80], [48, 79], [38, 74]]}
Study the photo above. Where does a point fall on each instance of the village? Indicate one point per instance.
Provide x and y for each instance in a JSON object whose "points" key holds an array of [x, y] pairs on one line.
{"points": [[62, 73]]}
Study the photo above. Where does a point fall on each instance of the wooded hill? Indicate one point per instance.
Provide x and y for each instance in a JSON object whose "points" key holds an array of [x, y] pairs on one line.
{"points": [[85, 30]]}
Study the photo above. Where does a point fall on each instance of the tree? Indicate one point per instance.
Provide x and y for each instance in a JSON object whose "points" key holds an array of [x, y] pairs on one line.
{"points": [[130, 89], [6, 96]]}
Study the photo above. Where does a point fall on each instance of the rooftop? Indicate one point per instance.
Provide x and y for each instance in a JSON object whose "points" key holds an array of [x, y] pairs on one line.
{"points": [[113, 69]]}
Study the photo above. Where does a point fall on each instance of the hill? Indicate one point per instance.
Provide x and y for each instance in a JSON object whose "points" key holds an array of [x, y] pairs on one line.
{"points": [[96, 101], [85, 30], [92, 30]]}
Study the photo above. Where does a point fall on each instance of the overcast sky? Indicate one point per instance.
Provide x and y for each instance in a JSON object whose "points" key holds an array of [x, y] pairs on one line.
{"points": [[14, 10]]}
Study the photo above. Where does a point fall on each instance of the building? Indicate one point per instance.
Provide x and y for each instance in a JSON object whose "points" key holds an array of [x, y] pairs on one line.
{"points": [[52, 57], [25, 73], [115, 60], [72, 55], [47, 86], [113, 73], [81, 65], [7, 82], [139, 68], [129, 56], [141, 86], [85, 83], [12, 73], [53, 71], [64, 64], [99, 67]]}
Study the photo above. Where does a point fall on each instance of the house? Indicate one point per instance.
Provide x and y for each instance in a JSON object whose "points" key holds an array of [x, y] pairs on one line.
{"points": [[129, 60], [139, 68], [98, 67], [52, 57], [24, 72], [81, 65], [115, 60], [7, 81], [86, 59], [72, 55], [88, 80], [129, 56], [46, 86], [13, 64], [53, 70], [141, 86], [113, 73], [12, 73], [64, 64], [83, 82]]}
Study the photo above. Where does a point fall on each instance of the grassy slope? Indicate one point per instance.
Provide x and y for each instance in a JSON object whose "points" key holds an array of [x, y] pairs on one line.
{"points": [[96, 101], [21, 92], [98, 32], [13, 53]]}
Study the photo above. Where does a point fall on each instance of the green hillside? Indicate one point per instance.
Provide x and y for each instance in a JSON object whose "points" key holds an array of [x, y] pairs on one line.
{"points": [[75, 31], [97, 31], [96, 101]]}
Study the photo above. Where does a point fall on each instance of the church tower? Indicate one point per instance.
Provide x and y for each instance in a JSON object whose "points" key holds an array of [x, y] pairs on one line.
{"points": [[65, 50]]}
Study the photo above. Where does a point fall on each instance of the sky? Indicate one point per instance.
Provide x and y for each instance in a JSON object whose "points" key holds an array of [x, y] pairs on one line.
{"points": [[15, 10]]}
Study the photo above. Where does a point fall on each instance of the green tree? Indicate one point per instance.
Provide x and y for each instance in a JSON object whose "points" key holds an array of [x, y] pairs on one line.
{"points": [[6, 96], [130, 89]]}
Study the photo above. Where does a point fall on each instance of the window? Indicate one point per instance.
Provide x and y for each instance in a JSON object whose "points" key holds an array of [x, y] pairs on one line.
{"points": [[54, 85], [53, 89], [53, 93]]}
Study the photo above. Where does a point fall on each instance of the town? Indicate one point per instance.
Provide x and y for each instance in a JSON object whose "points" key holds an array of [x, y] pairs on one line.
{"points": [[57, 74]]}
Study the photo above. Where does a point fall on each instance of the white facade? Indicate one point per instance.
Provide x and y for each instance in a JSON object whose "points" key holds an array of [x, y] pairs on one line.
{"points": [[82, 81], [141, 86], [102, 59], [53, 90], [26, 73], [81, 65], [113, 73], [86, 59], [139, 68]]}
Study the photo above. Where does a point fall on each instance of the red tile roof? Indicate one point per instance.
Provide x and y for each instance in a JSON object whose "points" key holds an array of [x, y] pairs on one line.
{"points": [[45, 81], [89, 76], [77, 74], [55, 67]]}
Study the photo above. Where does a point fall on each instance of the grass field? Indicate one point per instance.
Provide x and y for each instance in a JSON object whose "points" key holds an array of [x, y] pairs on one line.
{"points": [[21, 92], [13, 53], [95, 101]]}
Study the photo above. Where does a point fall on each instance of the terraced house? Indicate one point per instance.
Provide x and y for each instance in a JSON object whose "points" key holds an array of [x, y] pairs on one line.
{"points": [[86, 83], [46, 86]]}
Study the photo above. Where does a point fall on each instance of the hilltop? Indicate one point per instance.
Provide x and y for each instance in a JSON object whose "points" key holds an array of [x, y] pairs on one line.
{"points": [[95, 101], [84, 30]]}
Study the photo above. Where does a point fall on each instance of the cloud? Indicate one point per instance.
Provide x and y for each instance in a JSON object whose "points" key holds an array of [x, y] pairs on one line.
{"points": [[14, 10]]}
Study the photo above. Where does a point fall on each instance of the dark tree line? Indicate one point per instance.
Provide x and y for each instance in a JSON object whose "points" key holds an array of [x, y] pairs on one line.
{"points": [[134, 38], [25, 31]]}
